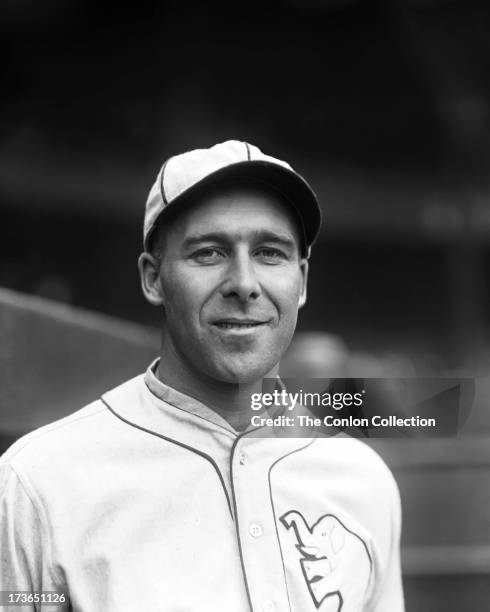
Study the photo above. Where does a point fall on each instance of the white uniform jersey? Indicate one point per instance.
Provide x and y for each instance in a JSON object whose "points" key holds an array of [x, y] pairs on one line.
{"points": [[149, 500]]}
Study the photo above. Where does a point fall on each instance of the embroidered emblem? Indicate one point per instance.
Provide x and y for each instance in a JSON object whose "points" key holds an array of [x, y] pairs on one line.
{"points": [[335, 561]]}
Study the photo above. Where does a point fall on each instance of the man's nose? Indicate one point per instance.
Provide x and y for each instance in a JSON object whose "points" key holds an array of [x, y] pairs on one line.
{"points": [[241, 281]]}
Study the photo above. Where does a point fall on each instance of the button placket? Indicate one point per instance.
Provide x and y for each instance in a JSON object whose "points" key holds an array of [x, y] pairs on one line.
{"points": [[259, 546]]}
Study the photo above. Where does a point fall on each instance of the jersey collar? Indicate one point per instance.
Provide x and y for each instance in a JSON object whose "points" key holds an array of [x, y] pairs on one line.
{"points": [[181, 401]]}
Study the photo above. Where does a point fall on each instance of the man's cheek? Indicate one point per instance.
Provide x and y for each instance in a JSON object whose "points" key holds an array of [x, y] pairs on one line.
{"points": [[287, 289], [288, 307]]}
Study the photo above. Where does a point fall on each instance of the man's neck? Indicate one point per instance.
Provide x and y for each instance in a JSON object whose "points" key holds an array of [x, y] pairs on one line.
{"points": [[230, 400]]}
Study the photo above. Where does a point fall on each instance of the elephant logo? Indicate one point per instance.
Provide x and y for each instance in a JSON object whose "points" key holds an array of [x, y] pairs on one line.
{"points": [[335, 562]]}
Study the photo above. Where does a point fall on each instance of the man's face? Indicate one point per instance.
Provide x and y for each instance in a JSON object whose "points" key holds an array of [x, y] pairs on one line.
{"points": [[231, 281]]}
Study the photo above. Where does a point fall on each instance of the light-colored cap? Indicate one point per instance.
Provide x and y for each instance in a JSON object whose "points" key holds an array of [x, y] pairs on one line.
{"points": [[186, 173]]}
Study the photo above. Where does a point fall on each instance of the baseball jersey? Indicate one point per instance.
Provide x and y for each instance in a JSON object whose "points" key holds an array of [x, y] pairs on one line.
{"points": [[147, 499]]}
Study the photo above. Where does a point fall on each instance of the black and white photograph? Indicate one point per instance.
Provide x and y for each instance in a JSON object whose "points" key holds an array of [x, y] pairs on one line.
{"points": [[245, 306]]}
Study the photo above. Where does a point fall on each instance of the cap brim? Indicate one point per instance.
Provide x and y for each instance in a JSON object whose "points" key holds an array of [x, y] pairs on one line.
{"points": [[289, 183]]}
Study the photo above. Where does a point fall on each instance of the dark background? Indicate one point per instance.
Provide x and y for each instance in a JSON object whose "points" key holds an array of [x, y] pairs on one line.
{"points": [[385, 109]]}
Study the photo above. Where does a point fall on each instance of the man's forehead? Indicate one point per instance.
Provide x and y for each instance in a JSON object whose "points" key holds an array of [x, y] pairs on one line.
{"points": [[247, 207]]}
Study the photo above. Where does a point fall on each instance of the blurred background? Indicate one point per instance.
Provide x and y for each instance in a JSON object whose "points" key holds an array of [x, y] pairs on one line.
{"points": [[383, 106]]}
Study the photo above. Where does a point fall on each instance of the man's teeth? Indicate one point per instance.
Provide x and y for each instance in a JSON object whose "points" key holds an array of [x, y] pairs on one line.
{"points": [[236, 325]]}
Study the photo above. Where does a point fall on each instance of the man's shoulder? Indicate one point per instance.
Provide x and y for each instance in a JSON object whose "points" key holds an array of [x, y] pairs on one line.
{"points": [[79, 430]]}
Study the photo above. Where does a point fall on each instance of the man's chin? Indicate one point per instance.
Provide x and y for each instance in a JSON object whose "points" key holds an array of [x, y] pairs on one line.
{"points": [[242, 373]]}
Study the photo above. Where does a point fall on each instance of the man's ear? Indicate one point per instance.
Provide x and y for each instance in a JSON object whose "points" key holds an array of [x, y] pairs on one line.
{"points": [[304, 279], [149, 269]]}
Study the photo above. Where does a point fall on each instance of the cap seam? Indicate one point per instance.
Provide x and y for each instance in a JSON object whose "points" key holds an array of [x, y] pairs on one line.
{"points": [[162, 186], [249, 154]]}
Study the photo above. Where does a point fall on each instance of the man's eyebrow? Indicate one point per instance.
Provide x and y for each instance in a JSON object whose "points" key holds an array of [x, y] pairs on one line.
{"points": [[196, 239], [287, 240]]}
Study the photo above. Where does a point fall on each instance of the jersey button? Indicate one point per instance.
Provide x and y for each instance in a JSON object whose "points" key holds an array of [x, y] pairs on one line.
{"points": [[255, 530], [243, 458], [268, 606]]}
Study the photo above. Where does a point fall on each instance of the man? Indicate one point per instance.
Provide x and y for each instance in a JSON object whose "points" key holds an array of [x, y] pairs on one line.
{"points": [[160, 495]]}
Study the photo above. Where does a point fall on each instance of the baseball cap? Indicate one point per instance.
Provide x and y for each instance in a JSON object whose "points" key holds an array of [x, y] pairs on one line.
{"points": [[184, 174]]}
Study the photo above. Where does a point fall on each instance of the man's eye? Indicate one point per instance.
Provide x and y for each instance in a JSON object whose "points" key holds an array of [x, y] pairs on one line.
{"points": [[208, 255], [271, 254]]}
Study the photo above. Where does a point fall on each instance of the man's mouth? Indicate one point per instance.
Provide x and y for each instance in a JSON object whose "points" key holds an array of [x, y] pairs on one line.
{"points": [[238, 324]]}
